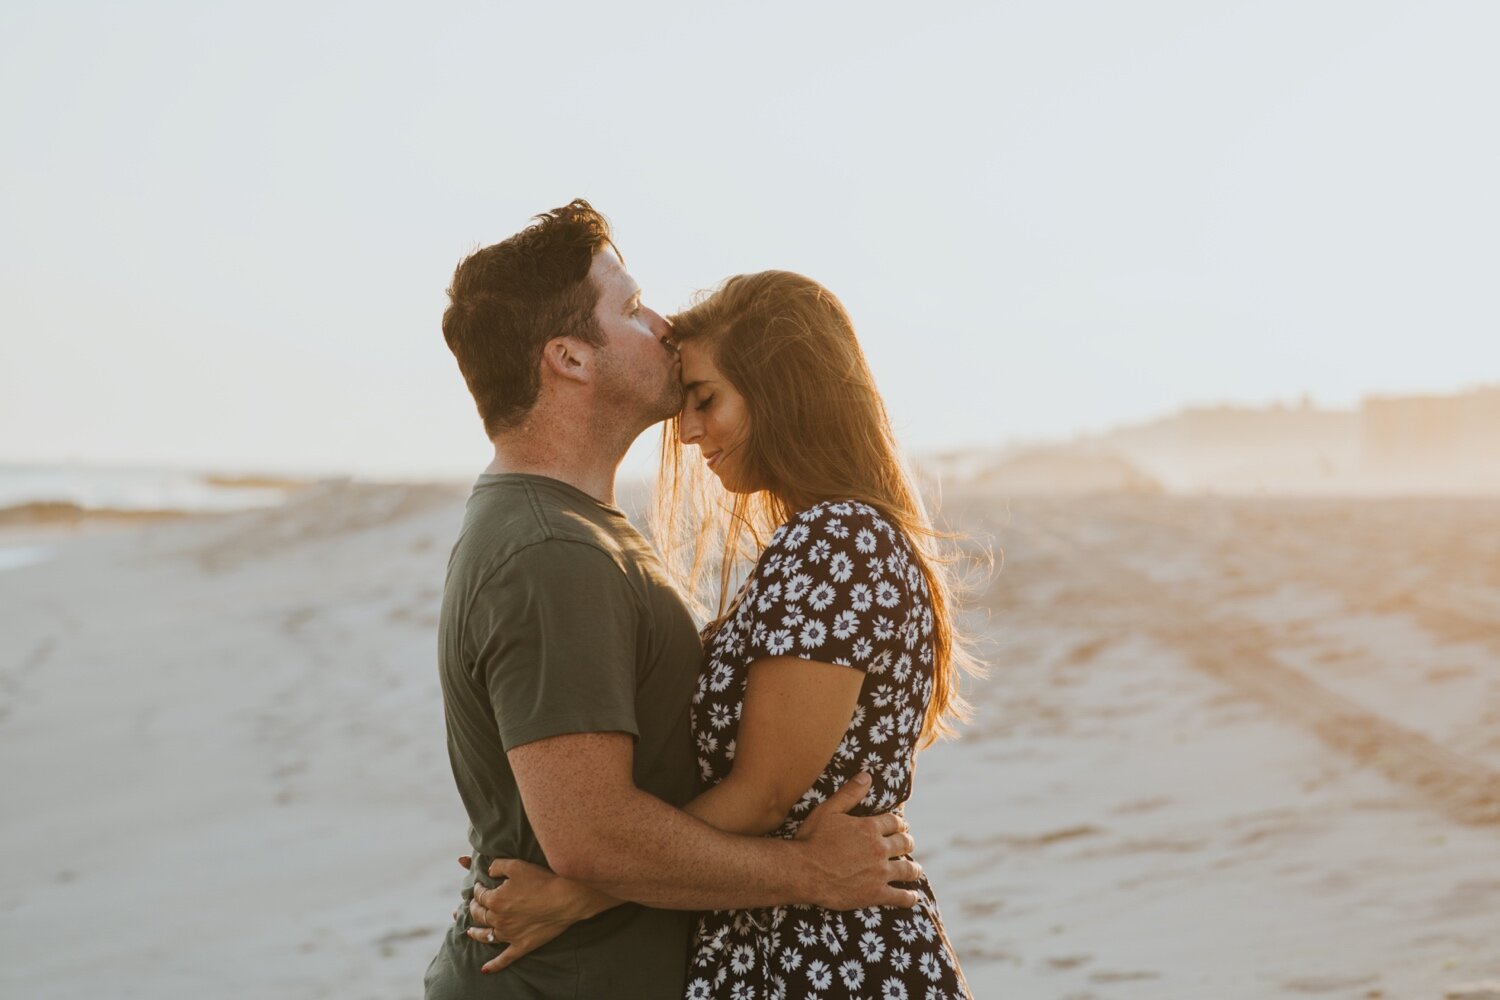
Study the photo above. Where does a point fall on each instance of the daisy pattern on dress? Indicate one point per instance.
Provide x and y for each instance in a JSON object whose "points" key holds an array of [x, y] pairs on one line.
{"points": [[819, 975], [796, 586], [813, 634], [821, 596], [861, 597]]}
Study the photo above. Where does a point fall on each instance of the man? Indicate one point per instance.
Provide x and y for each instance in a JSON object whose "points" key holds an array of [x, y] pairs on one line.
{"points": [[568, 661]]}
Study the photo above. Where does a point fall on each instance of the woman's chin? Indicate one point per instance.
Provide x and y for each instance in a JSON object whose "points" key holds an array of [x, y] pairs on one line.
{"points": [[737, 488], [725, 481], [731, 482]]}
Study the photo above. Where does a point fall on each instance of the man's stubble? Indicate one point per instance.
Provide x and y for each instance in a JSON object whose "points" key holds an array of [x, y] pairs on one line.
{"points": [[627, 393]]}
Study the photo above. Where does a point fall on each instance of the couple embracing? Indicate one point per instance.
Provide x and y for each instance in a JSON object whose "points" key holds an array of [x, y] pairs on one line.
{"points": [[658, 812]]}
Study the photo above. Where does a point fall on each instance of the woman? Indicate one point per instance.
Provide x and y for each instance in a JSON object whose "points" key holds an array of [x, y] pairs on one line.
{"points": [[837, 654]]}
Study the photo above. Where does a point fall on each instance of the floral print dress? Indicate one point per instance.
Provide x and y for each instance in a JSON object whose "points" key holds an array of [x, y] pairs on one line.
{"points": [[837, 583]]}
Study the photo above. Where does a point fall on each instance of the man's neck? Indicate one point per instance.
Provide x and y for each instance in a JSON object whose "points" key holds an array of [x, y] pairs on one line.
{"points": [[588, 469]]}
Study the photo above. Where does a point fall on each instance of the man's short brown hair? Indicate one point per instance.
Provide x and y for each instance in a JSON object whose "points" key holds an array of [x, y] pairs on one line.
{"points": [[508, 300]]}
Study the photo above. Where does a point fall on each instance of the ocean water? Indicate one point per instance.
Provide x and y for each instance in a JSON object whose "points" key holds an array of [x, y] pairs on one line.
{"points": [[121, 488], [16, 556]]}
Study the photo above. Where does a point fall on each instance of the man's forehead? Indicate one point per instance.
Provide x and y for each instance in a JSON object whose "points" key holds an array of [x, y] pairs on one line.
{"points": [[609, 271]]}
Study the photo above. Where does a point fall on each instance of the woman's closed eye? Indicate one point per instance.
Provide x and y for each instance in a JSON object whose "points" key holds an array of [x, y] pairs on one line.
{"points": [[703, 403]]}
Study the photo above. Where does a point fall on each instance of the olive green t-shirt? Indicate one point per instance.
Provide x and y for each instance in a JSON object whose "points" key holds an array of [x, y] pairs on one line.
{"points": [[558, 617]]}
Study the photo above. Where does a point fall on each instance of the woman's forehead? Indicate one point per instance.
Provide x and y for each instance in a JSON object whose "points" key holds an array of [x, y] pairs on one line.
{"points": [[697, 365]]}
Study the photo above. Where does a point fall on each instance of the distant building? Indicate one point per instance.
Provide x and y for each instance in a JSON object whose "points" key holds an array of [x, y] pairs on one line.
{"points": [[1419, 435], [1390, 445]]}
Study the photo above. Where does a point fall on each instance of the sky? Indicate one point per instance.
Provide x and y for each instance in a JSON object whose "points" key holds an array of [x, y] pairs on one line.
{"points": [[226, 229]]}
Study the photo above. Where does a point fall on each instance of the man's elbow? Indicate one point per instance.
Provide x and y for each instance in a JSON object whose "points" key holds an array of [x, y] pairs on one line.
{"points": [[579, 864], [594, 845], [577, 854], [598, 854]]}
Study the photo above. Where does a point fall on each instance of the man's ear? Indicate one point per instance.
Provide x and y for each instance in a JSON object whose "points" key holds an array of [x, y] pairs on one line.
{"points": [[567, 358]]}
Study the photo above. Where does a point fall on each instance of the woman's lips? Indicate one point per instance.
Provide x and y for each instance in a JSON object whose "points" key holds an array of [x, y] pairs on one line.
{"points": [[712, 459]]}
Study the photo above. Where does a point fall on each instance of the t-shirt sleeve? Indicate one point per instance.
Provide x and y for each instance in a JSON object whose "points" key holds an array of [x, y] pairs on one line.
{"points": [[555, 635], [832, 586]]}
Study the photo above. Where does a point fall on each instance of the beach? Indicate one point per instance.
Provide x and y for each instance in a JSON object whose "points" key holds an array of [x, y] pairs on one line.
{"points": [[1228, 748]]}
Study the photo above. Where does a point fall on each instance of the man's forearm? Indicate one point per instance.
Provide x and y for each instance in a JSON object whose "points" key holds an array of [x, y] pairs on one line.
{"points": [[651, 853], [598, 828]]}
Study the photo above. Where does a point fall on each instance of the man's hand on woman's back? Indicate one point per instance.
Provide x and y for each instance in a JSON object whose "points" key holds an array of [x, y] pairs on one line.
{"points": [[853, 859]]}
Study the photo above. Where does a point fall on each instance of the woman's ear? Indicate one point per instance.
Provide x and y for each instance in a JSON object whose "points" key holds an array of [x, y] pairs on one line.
{"points": [[567, 358]]}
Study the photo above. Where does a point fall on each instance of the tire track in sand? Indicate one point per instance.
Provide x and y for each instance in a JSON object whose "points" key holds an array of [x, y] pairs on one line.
{"points": [[1237, 651]]}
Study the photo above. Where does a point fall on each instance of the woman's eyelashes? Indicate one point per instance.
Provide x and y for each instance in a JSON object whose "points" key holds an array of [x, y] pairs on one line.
{"points": [[703, 403]]}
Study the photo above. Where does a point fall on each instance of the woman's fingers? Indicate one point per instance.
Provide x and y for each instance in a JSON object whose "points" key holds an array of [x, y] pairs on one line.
{"points": [[483, 935], [509, 955], [479, 913], [521, 944], [507, 867], [488, 896]]}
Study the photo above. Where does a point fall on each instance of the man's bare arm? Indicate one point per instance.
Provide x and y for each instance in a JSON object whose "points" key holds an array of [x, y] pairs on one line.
{"points": [[597, 828]]}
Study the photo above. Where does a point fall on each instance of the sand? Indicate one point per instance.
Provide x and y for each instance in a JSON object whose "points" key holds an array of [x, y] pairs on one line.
{"points": [[1229, 748]]}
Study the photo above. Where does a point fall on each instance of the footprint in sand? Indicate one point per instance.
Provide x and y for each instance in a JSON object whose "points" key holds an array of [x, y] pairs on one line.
{"points": [[1122, 977], [1327, 984], [1069, 961]]}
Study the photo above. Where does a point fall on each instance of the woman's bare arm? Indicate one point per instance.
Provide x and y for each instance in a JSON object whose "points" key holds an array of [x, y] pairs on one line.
{"points": [[796, 712]]}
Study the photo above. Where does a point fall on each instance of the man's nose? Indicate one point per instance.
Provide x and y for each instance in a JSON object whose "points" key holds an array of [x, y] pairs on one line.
{"points": [[661, 328]]}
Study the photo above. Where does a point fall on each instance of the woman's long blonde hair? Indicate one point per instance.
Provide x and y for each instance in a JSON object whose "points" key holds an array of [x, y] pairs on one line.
{"points": [[818, 431]]}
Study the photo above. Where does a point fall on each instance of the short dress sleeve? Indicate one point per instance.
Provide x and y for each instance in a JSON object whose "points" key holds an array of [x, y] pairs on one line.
{"points": [[836, 584]]}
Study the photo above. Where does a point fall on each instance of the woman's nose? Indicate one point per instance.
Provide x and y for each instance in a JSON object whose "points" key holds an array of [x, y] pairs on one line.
{"points": [[688, 429]]}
